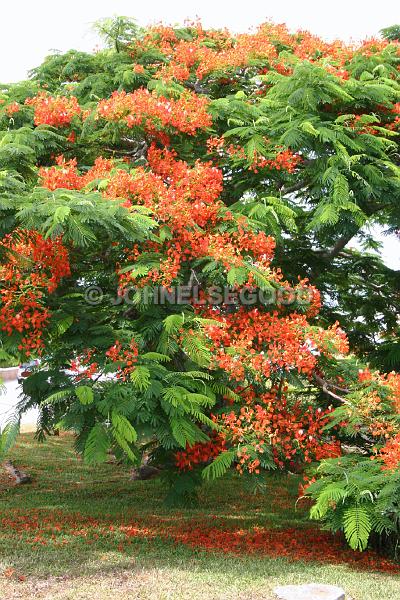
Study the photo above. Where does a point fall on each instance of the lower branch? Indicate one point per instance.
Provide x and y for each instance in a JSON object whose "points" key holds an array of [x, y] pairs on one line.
{"points": [[326, 388]]}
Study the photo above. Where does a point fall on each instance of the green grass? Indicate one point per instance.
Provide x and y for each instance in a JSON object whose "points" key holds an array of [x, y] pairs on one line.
{"points": [[92, 561]]}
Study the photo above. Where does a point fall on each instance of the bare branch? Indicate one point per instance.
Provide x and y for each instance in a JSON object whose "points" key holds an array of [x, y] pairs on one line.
{"points": [[338, 247], [325, 385]]}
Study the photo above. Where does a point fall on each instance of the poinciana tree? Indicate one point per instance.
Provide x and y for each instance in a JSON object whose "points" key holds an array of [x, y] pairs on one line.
{"points": [[150, 193]]}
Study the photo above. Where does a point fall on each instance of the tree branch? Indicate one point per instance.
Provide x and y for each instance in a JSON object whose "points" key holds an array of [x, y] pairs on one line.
{"points": [[293, 188], [198, 87], [325, 385], [338, 247]]}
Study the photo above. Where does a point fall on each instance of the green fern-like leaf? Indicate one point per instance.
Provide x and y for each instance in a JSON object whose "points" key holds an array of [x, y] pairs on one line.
{"points": [[357, 527], [220, 465], [97, 444], [123, 428], [9, 434], [140, 377], [84, 394]]}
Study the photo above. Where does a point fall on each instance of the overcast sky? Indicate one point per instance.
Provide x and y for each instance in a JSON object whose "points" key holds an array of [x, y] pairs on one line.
{"points": [[32, 29]]}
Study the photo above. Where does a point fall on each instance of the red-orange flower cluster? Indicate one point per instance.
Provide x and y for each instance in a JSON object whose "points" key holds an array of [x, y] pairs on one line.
{"points": [[53, 110], [84, 366], [219, 54], [13, 108], [127, 358], [200, 453], [390, 454], [64, 175], [295, 432], [265, 342], [34, 266], [186, 114]]}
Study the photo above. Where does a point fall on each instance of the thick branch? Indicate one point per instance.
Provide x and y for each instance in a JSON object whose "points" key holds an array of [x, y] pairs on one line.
{"points": [[338, 247], [198, 88], [293, 188], [325, 385]]}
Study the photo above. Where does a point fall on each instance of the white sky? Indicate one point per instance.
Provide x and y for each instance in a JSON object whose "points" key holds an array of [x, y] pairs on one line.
{"points": [[31, 29]]}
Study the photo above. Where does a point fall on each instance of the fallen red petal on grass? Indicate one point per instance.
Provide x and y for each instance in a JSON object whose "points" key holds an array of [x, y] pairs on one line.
{"points": [[9, 572], [307, 544]]}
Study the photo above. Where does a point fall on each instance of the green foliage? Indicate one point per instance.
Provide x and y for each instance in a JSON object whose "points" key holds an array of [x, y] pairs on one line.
{"points": [[391, 33], [84, 394], [9, 434], [219, 465], [352, 494], [97, 444], [7, 360], [118, 32]]}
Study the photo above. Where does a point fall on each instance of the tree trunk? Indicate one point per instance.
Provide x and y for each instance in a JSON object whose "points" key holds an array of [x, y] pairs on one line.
{"points": [[19, 476]]}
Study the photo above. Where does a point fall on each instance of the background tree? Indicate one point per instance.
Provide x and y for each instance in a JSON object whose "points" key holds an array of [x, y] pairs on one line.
{"points": [[391, 33]]}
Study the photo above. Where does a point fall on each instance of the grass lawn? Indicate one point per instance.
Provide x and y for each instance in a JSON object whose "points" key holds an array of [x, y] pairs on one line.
{"points": [[79, 532]]}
